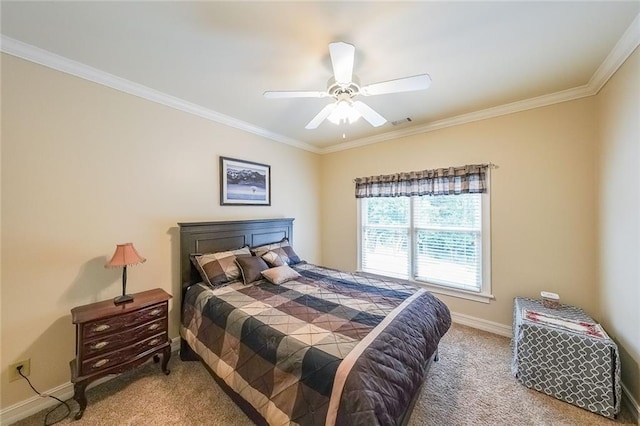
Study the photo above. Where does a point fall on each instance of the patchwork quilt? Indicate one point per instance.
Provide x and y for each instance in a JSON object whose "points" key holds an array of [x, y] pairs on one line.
{"points": [[327, 348]]}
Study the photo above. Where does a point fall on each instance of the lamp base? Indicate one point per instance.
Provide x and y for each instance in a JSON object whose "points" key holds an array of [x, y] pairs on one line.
{"points": [[125, 298]]}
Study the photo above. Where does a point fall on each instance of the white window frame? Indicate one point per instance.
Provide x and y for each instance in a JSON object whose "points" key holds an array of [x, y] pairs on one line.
{"points": [[484, 295]]}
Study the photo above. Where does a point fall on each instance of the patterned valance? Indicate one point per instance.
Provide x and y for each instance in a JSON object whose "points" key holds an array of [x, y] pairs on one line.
{"points": [[469, 179]]}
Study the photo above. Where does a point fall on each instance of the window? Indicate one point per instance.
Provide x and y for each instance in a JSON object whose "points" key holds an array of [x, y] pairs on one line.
{"points": [[440, 241]]}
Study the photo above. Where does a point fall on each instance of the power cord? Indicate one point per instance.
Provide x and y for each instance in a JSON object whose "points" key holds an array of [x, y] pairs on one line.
{"points": [[42, 395]]}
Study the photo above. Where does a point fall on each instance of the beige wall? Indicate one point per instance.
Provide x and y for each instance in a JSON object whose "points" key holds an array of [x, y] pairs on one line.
{"points": [[85, 167], [543, 206], [619, 208]]}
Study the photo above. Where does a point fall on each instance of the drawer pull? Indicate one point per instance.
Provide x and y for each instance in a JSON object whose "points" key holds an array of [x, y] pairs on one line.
{"points": [[100, 363], [153, 342], [99, 345], [154, 326], [101, 327], [155, 312]]}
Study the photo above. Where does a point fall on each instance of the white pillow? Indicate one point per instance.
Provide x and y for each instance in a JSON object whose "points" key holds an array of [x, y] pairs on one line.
{"points": [[280, 274]]}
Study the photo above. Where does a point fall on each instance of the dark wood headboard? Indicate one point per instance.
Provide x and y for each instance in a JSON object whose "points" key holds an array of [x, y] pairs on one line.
{"points": [[210, 237]]}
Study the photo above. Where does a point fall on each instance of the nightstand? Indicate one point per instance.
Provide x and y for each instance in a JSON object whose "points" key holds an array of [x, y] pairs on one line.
{"points": [[113, 338]]}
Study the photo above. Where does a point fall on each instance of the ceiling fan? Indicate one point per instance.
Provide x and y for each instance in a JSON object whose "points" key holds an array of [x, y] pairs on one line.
{"points": [[344, 86]]}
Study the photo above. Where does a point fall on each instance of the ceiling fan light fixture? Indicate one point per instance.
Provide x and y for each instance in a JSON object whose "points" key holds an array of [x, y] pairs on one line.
{"points": [[344, 112], [345, 87]]}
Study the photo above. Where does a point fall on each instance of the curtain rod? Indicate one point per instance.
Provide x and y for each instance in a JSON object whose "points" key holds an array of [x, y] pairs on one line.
{"points": [[489, 165]]}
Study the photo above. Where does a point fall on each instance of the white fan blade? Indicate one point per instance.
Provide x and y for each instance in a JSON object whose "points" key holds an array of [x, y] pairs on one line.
{"points": [[375, 119], [294, 94], [324, 113], [407, 84], [342, 56]]}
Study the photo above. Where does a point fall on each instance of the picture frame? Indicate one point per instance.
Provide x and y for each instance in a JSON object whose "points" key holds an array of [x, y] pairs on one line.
{"points": [[244, 183]]}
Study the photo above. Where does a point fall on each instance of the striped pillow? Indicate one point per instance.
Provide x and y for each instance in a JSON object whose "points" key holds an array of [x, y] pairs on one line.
{"points": [[219, 268]]}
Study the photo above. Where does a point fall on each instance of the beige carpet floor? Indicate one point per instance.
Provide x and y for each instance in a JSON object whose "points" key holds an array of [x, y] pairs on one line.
{"points": [[470, 385]]}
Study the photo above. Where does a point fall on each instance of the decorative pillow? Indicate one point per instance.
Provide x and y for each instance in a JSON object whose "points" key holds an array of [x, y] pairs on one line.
{"points": [[280, 274], [250, 268], [219, 268], [282, 250], [276, 257], [260, 250]]}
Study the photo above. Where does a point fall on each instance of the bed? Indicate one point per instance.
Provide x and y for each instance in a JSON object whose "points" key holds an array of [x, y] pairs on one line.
{"points": [[319, 347]]}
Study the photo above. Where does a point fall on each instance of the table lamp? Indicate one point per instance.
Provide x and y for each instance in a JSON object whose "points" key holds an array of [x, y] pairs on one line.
{"points": [[124, 256]]}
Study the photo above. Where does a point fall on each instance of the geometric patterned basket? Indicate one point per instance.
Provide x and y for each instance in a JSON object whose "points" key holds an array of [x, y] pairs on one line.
{"points": [[575, 367]]}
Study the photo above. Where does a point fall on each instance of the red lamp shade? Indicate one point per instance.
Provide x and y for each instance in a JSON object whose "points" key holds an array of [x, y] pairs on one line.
{"points": [[125, 255]]}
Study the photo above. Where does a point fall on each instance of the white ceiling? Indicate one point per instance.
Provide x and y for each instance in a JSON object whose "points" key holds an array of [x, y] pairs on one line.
{"points": [[217, 58]]}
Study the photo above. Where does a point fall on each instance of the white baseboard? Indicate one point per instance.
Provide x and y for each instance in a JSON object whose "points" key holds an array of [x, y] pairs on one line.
{"points": [[631, 403], [37, 403], [481, 324]]}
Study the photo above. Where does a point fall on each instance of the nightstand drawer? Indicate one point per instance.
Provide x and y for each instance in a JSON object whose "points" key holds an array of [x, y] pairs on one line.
{"points": [[116, 323], [110, 359], [111, 342]]}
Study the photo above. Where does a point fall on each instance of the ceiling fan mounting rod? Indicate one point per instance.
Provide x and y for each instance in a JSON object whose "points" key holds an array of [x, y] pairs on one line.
{"points": [[336, 89]]}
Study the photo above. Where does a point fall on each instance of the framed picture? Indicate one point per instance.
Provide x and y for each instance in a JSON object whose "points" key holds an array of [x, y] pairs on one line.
{"points": [[244, 183]]}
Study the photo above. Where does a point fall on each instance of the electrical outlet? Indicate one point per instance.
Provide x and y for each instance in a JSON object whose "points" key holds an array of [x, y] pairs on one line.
{"points": [[13, 369]]}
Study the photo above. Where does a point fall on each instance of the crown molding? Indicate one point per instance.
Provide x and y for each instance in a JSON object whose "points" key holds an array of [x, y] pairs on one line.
{"points": [[625, 46], [620, 52], [537, 102], [60, 63]]}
